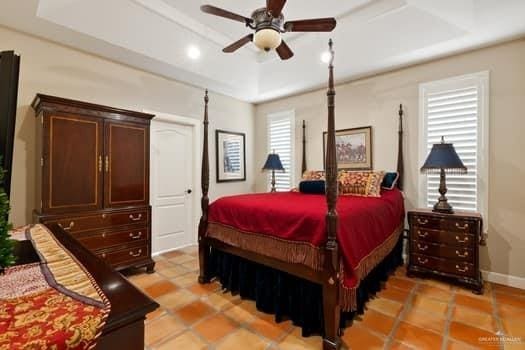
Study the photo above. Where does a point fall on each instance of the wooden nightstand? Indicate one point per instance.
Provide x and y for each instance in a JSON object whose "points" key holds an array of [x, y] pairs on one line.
{"points": [[446, 246]]}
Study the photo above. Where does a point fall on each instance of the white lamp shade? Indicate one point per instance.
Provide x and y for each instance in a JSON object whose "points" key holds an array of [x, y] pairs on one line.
{"points": [[267, 39]]}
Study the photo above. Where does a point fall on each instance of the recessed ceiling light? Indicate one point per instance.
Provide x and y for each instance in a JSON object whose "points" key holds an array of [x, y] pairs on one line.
{"points": [[193, 52], [326, 57]]}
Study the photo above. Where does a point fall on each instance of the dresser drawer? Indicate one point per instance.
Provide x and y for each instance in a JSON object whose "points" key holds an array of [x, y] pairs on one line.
{"points": [[462, 225], [443, 251], [443, 265], [75, 224], [424, 221], [124, 256], [459, 239], [110, 239]]}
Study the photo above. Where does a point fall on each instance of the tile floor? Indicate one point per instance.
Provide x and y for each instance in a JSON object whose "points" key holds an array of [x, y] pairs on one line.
{"points": [[406, 314]]}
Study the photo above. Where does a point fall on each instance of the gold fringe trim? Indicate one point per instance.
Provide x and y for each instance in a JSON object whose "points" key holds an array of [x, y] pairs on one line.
{"points": [[295, 252]]}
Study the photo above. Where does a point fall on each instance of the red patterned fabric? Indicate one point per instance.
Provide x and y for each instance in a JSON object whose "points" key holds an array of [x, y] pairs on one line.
{"points": [[365, 223]]}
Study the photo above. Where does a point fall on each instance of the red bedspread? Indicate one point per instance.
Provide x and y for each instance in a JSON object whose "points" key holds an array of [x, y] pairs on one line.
{"points": [[291, 226]]}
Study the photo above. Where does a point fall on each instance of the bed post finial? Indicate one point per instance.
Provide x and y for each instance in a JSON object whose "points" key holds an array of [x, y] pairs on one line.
{"points": [[400, 160], [205, 201], [303, 165], [331, 307]]}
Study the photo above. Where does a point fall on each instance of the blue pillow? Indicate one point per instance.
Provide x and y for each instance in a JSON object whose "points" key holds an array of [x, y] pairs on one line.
{"points": [[312, 187], [390, 181]]}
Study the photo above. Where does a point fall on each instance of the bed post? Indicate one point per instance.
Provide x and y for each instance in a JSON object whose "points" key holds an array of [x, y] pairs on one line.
{"points": [[303, 166], [400, 167], [204, 249], [331, 308]]}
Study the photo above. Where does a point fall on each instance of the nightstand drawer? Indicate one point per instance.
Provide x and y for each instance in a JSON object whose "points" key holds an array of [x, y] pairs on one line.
{"points": [[443, 265], [459, 239], [461, 225], [443, 251], [426, 221]]}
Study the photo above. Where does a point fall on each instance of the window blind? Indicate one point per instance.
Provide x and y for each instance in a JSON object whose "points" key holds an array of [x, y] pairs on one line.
{"points": [[454, 114], [280, 141]]}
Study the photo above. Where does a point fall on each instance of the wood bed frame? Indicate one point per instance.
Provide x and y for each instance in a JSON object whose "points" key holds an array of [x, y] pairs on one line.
{"points": [[328, 277]]}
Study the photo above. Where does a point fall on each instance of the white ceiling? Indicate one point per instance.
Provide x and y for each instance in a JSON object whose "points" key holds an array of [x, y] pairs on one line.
{"points": [[371, 36]]}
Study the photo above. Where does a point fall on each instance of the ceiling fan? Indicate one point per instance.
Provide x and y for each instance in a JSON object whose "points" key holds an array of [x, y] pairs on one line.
{"points": [[268, 23]]}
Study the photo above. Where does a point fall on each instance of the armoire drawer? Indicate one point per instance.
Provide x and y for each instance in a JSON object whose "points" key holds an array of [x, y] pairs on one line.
{"points": [[125, 256], [92, 222], [104, 240]]}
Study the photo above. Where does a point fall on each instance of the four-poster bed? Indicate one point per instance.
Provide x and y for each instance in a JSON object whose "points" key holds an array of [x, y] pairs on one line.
{"points": [[316, 257]]}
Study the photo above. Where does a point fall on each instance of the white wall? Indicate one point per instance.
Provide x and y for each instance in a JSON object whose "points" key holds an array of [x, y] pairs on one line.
{"points": [[374, 101], [53, 69]]}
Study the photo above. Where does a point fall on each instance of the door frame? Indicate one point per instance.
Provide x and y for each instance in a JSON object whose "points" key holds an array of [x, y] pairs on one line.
{"points": [[196, 190]]}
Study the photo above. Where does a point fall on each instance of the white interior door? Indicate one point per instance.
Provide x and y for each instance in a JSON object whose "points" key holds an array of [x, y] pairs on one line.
{"points": [[172, 164]]}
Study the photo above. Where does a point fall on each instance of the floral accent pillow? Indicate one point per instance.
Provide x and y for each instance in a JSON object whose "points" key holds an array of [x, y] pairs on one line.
{"points": [[360, 183], [313, 175]]}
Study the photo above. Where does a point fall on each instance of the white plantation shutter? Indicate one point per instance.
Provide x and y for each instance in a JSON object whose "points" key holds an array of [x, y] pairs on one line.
{"points": [[456, 109], [281, 128]]}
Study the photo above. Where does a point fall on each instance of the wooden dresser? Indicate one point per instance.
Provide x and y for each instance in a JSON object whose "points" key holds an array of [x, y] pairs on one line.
{"points": [[94, 178], [446, 246]]}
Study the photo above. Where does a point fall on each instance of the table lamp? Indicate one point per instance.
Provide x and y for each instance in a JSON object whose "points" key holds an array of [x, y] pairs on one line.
{"points": [[443, 159], [273, 163]]}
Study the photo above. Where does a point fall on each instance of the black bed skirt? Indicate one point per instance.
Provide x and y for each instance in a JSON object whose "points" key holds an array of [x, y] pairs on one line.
{"points": [[289, 297]]}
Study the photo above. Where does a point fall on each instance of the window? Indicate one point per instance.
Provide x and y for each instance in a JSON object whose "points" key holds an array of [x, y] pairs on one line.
{"points": [[457, 109], [281, 136]]}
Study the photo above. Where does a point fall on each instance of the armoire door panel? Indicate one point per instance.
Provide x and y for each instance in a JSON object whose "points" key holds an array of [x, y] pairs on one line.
{"points": [[127, 165], [73, 163]]}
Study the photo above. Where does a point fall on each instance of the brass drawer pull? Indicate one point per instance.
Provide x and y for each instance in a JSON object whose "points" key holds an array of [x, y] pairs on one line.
{"points": [[103, 235], [422, 261], [422, 222], [423, 235], [138, 253], [422, 248], [137, 236], [103, 255], [462, 241], [107, 164], [131, 217], [99, 164], [71, 224], [460, 269], [461, 227], [464, 255]]}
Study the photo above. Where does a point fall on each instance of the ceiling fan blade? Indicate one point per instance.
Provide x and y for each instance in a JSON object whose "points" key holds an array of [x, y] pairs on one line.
{"points": [[311, 25], [275, 7], [238, 44], [212, 10], [284, 51]]}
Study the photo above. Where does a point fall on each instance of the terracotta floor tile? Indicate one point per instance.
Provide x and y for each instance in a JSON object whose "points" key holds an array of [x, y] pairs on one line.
{"points": [[438, 284], [173, 301], [160, 288], [215, 327], [294, 341], [401, 283], [144, 280], [376, 321], [172, 254], [418, 337], [204, 289], [434, 292], [358, 337], [191, 249], [162, 264], [468, 334], [499, 288], [385, 306], [474, 318], [268, 328], [192, 265], [455, 345], [474, 303], [161, 328], [186, 341], [242, 339], [239, 314], [222, 301], [392, 293], [511, 300], [400, 346], [182, 258], [194, 312], [513, 321], [186, 280], [173, 271], [425, 320], [424, 304], [153, 315]]}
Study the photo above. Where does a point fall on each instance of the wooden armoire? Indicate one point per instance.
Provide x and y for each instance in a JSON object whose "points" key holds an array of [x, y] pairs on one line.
{"points": [[94, 177]]}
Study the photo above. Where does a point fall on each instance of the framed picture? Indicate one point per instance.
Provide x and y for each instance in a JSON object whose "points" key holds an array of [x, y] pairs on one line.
{"points": [[230, 156], [353, 148]]}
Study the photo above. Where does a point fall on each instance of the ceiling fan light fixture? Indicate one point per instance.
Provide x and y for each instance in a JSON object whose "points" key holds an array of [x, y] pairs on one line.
{"points": [[267, 39]]}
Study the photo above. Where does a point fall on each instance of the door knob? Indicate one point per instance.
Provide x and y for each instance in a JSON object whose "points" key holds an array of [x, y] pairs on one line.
{"points": [[188, 191]]}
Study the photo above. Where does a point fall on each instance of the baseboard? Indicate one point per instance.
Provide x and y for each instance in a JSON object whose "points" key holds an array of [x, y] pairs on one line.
{"points": [[508, 280]]}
